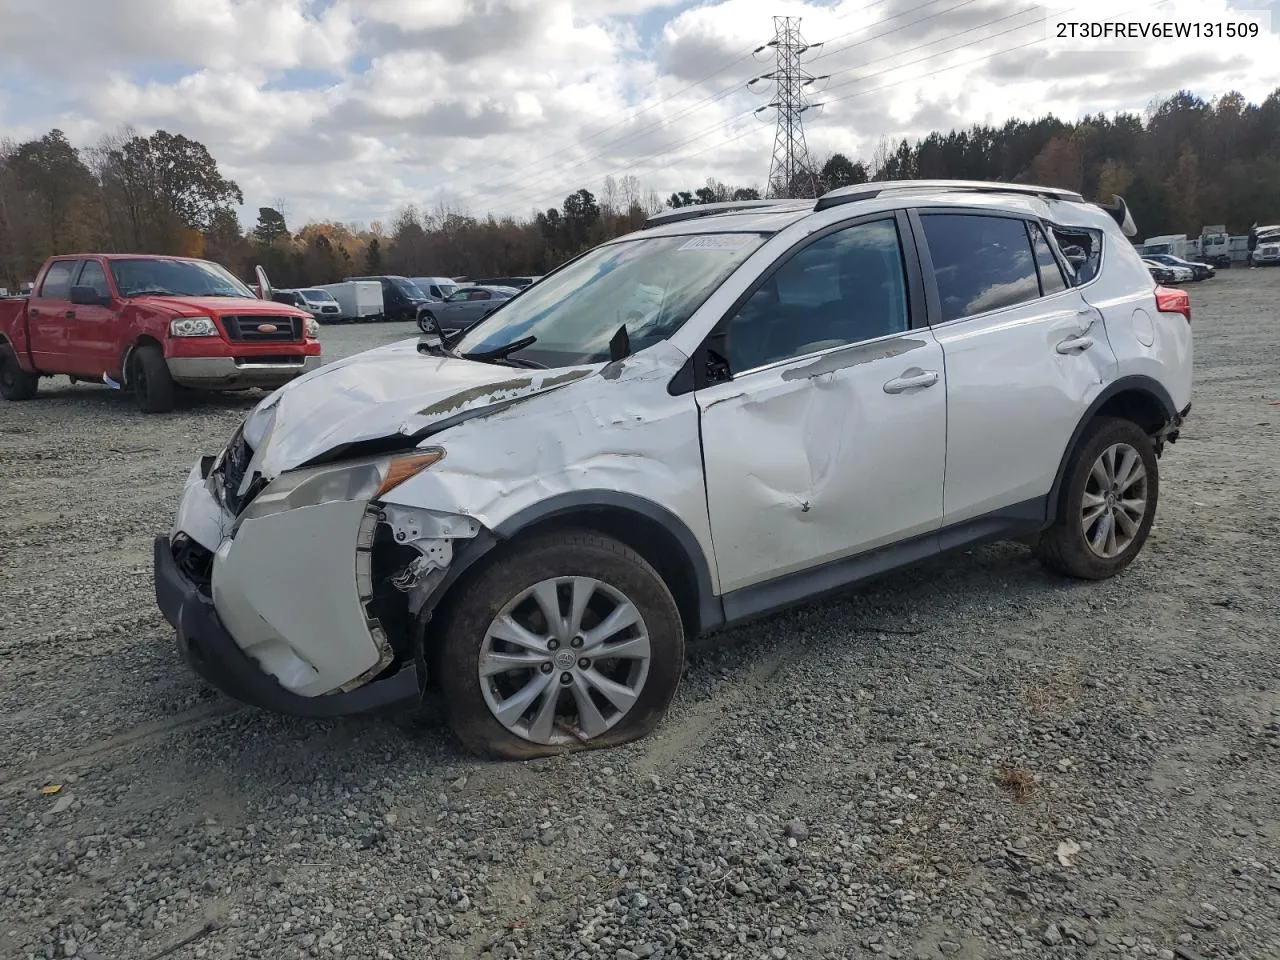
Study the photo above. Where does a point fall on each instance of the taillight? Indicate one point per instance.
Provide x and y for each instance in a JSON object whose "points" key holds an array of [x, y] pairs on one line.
{"points": [[1169, 300]]}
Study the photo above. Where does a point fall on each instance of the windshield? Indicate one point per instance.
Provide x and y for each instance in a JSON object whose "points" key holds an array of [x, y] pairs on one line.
{"points": [[317, 295], [408, 288], [180, 278], [651, 285]]}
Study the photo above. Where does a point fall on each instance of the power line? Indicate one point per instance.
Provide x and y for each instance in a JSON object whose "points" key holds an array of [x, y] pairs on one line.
{"points": [[627, 119], [789, 171], [542, 176]]}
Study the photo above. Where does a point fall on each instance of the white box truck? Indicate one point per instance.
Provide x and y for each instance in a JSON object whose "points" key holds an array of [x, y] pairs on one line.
{"points": [[360, 300], [1174, 244]]}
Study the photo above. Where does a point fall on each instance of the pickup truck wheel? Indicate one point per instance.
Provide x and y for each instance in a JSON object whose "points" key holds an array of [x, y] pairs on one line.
{"points": [[15, 383], [1108, 502], [570, 641], [151, 380]]}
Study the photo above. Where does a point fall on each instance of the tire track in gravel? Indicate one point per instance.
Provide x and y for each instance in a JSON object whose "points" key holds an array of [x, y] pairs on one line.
{"points": [[141, 735]]}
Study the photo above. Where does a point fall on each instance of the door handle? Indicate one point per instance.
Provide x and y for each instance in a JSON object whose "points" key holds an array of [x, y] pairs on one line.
{"points": [[911, 380], [70, 314], [1075, 344]]}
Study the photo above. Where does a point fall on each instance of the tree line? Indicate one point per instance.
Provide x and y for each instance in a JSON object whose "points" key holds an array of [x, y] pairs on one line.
{"points": [[1182, 164]]}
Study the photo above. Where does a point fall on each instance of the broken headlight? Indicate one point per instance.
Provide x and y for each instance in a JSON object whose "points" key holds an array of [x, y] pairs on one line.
{"points": [[353, 480]]}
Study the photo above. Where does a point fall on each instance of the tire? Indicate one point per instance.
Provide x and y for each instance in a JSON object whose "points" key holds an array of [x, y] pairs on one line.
{"points": [[15, 383], [426, 322], [465, 641], [151, 381], [1064, 548]]}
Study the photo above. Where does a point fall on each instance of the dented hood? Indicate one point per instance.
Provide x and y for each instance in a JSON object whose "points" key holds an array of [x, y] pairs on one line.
{"points": [[385, 392]]}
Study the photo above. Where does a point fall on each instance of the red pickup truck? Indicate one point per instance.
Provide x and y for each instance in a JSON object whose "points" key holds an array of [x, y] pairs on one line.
{"points": [[150, 325]]}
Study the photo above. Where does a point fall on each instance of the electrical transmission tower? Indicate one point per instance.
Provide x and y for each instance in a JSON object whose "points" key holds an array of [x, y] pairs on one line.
{"points": [[790, 174]]}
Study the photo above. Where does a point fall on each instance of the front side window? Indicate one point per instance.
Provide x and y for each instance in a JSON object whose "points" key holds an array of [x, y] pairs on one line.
{"points": [[980, 263], [844, 288], [93, 276], [57, 280], [158, 277], [651, 286]]}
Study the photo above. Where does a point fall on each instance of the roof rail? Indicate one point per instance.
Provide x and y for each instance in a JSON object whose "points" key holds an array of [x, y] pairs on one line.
{"points": [[868, 191], [710, 209]]}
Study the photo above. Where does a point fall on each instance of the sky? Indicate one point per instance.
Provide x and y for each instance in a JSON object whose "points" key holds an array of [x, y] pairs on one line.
{"points": [[351, 109]]}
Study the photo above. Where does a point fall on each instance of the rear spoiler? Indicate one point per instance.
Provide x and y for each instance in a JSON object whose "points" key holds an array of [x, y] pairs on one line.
{"points": [[1119, 211]]}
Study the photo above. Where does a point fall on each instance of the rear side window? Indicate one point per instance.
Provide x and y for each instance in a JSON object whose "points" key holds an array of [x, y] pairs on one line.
{"points": [[1051, 279], [980, 263], [93, 276], [57, 281]]}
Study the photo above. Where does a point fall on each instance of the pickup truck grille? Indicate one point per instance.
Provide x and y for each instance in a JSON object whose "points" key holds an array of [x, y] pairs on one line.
{"points": [[245, 329]]}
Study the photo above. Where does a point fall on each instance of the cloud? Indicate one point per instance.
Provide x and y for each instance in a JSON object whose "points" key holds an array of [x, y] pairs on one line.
{"points": [[349, 109]]}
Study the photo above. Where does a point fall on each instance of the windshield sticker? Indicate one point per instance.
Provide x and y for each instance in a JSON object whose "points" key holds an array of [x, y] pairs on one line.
{"points": [[724, 241]]}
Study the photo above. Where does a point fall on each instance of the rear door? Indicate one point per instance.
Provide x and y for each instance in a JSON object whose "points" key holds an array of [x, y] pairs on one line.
{"points": [[47, 312], [94, 332], [1025, 355]]}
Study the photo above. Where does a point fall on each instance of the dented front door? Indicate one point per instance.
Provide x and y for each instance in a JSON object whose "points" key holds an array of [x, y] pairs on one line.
{"points": [[824, 457]]}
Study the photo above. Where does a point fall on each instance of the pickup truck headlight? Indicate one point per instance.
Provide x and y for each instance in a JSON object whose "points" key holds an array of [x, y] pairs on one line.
{"points": [[192, 327], [352, 480], [313, 328]]}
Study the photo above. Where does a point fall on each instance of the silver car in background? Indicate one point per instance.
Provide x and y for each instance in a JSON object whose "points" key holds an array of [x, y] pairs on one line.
{"points": [[464, 307]]}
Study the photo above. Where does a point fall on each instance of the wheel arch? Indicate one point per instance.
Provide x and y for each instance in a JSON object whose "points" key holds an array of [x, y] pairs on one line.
{"points": [[141, 340], [649, 529], [1140, 399]]}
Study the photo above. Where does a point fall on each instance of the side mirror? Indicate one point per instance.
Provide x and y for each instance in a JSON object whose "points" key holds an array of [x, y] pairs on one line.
{"points": [[89, 297]]}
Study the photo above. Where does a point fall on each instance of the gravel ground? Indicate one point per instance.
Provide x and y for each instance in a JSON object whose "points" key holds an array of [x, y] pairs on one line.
{"points": [[970, 759]]}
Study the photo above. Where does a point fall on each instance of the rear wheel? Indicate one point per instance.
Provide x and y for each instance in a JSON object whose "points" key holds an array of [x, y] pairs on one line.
{"points": [[571, 641], [15, 383], [1108, 502], [151, 381]]}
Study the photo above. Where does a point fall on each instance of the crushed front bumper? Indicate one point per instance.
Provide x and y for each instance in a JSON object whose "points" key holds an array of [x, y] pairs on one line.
{"points": [[211, 651]]}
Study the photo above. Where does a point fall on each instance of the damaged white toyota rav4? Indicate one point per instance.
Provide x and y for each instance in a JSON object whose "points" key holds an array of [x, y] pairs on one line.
{"points": [[740, 407]]}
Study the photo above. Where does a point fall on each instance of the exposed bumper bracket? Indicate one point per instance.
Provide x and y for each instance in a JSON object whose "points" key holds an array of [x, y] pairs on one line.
{"points": [[213, 653]]}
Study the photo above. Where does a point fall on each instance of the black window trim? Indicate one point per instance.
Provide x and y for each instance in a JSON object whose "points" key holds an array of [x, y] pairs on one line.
{"points": [[693, 375], [1032, 226], [76, 267], [106, 275], [932, 297]]}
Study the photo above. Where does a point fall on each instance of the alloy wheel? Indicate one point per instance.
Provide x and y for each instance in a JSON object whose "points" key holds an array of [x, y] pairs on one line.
{"points": [[1115, 501], [565, 660]]}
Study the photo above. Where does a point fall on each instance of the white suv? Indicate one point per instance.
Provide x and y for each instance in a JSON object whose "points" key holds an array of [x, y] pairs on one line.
{"points": [[740, 407]]}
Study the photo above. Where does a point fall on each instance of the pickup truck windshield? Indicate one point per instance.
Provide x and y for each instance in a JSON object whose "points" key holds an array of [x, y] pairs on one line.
{"points": [[651, 285], [156, 276]]}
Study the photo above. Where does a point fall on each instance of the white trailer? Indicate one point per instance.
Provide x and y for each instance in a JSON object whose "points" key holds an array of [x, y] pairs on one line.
{"points": [[1174, 244], [360, 300]]}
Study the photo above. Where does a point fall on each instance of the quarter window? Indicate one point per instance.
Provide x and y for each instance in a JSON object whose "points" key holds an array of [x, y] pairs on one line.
{"points": [[57, 281], [980, 263], [844, 288]]}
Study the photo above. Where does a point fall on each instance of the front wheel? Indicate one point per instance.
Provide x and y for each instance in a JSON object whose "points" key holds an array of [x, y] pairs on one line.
{"points": [[426, 322], [151, 381], [15, 383], [570, 641], [1108, 502]]}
